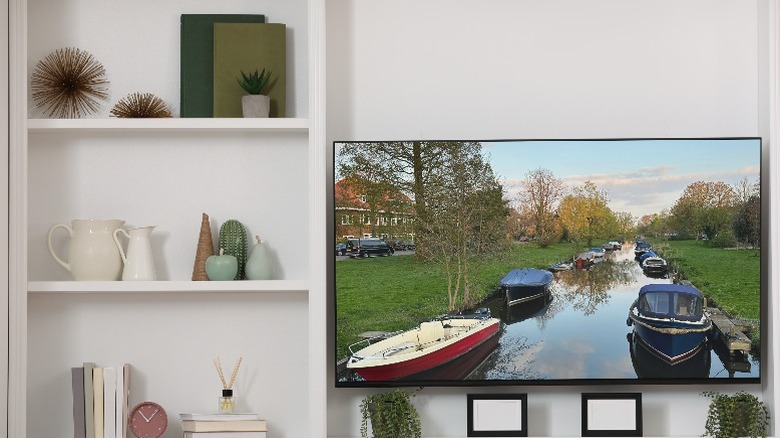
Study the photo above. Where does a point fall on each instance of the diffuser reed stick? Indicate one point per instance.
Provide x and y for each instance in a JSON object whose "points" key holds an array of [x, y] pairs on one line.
{"points": [[225, 383]]}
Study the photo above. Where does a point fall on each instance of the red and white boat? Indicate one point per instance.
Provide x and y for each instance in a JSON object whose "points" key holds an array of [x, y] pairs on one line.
{"points": [[427, 346]]}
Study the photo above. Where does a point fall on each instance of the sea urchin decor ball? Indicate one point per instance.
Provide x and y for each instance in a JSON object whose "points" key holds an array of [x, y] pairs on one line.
{"points": [[141, 105], [69, 83]]}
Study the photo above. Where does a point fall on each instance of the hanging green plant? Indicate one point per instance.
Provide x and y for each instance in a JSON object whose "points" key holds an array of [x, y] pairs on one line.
{"points": [[392, 415], [738, 415]]}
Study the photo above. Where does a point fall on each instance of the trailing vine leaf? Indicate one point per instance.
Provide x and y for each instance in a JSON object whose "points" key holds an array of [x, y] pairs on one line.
{"points": [[738, 415], [391, 414]]}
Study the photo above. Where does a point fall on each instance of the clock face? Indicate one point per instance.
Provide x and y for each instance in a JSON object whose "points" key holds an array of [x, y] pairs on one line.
{"points": [[147, 420]]}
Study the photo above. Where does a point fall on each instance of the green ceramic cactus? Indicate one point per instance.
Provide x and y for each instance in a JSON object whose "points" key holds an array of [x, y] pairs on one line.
{"points": [[232, 239]]}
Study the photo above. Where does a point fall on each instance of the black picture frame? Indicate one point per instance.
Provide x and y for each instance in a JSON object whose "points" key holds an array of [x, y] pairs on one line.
{"points": [[611, 414], [497, 415]]}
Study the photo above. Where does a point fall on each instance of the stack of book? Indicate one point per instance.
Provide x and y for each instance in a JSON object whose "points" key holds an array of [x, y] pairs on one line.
{"points": [[100, 400], [216, 48], [223, 426]]}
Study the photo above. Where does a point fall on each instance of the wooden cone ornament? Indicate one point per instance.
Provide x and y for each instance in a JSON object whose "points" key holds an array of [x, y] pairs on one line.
{"points": [[204, 251]]}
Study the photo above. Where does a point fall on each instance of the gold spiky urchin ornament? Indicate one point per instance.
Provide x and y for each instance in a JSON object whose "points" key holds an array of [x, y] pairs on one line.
{"points": [[141, 105], [69, 83]]}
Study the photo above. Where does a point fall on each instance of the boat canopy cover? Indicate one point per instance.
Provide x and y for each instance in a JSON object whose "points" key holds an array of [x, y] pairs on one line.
{"points": [[647, 254], [675, 288], [526, 277], [643, 245], [670, 301]]}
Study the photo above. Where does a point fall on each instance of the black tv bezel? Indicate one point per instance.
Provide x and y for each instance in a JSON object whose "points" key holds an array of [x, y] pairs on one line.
{"points": [[578, 382]]}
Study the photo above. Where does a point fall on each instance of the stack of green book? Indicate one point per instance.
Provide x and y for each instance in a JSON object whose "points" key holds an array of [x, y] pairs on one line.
{"points": [[197, 60]]}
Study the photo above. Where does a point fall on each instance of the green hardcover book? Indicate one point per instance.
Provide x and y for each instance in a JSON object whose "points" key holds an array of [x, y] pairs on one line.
{"points": [[248, 47], [197, 62]]}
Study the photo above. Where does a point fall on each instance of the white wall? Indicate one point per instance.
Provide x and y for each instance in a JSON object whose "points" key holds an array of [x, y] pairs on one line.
{"points": [[462, 69]]}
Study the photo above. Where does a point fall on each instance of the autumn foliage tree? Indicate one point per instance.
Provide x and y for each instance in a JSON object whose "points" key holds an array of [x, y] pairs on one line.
{"points": [[705, 207], [585, 214]]}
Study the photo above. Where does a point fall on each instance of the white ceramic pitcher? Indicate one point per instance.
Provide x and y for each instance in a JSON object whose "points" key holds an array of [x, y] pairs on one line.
{"points": [[139, 262], [92, 253]]}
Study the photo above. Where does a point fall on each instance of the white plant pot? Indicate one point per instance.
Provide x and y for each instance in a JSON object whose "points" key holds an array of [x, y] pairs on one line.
{"points": [[256, 106]]}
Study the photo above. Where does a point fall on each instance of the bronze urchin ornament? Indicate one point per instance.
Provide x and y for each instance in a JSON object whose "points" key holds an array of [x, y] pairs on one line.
{"points": [[69, 82], [141, 105]]}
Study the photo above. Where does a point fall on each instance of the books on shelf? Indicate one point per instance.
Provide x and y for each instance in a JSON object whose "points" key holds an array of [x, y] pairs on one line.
{"points": [[255, 434], [220, 417], [77, 382], [197, 60], [223, 423], [246, 47], [100, 396]]}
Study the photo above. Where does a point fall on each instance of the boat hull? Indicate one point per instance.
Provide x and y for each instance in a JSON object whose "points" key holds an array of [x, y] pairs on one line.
{"points": [[424, 359], [521, 294], [648, 365], [688, 339]]}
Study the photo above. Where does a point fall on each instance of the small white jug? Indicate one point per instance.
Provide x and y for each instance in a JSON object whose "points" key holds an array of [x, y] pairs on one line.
{"points": [[139, 263]]}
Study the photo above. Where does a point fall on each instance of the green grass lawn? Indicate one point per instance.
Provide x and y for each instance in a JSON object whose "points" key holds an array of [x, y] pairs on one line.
{"points": [[397, 292], [730, 277]]}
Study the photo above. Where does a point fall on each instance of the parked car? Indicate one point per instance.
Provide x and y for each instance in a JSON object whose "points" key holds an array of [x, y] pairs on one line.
{"points": [[341, 249], [368, 247], [403, 245]]}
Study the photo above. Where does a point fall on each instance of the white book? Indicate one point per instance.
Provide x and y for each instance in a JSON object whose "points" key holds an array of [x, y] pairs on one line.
{"points": [[121, 401], [109, 402], [224, 434], [97, 390], [220, 417]]}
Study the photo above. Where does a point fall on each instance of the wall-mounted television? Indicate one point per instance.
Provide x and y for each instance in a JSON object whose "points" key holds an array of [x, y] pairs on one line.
{"points": [[538, 262]]}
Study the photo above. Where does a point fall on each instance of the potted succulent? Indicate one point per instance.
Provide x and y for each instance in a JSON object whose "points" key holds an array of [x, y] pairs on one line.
{"points": [[392, 415], [738, 415], [256, 103]]}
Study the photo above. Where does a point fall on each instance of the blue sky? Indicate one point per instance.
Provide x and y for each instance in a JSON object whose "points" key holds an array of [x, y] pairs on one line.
{"points": [[639, 176]]}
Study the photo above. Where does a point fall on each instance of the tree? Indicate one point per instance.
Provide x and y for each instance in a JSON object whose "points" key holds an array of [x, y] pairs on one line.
{"points": [[704, 208], [747, 218], [747, 222], [585, 214], [542, 191], [408, 167], [466, 218], [460, 213]]}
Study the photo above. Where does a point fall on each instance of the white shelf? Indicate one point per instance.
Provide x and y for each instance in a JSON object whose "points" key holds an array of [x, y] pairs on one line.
{"points": [[289, 125], [142, 287]]}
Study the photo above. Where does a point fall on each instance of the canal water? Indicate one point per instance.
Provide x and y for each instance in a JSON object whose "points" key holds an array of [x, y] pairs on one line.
{"points": [[580, 332]]}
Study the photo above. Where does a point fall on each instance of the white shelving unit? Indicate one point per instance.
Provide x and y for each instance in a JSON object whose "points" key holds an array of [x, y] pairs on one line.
{"points": [[266, 173]]}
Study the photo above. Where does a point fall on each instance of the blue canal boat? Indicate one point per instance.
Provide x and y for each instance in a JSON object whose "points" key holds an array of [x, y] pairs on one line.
{"points": [[655, 266], [669, 321], [641, 248], [525, 284]]}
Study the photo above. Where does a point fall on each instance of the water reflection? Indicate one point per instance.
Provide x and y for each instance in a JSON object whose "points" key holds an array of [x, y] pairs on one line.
{"points": [[579, 331], [649, 366]]}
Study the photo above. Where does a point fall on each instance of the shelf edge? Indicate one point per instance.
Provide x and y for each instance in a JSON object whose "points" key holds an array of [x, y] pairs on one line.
{"points": [[290, 125], [111, 287]]}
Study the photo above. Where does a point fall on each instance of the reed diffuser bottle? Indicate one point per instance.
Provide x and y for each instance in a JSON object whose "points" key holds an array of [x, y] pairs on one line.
{"points": [[227, 402]]}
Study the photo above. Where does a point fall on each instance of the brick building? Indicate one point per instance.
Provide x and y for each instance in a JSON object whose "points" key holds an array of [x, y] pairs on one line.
{"points": [[385, 214]]}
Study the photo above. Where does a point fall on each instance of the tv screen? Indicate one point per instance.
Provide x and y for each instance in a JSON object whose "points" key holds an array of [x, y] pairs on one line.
{"points": [[547, 262]]}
